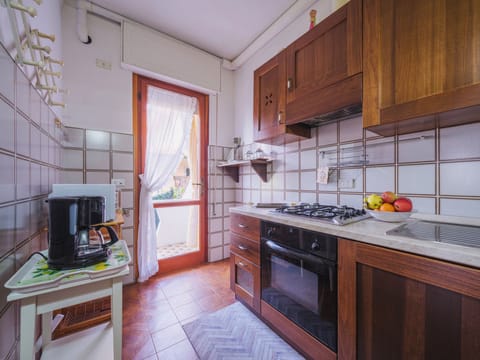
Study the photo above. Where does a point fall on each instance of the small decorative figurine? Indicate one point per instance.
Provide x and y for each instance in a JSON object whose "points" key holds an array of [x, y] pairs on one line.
{"points": [[313, 18]]}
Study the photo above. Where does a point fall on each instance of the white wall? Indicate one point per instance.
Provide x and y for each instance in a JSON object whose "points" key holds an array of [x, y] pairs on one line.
{"points": [[243, 97]]}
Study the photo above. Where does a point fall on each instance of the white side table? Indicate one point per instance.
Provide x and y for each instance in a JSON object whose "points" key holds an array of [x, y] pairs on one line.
{"points": [[103, 341]]}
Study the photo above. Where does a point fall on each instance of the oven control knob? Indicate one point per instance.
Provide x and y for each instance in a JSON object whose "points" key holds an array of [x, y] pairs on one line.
{"points": [[315, 246], [270, 231]]}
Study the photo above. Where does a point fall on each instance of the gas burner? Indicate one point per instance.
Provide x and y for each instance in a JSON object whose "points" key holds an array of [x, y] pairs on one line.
{"points": [[338, 215]]}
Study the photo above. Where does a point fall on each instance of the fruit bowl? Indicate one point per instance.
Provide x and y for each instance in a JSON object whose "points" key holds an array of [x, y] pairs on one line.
{"points": [[390, 216]]}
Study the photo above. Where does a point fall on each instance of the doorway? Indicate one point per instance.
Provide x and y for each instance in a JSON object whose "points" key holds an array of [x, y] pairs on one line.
{"points": [[180, 204]]}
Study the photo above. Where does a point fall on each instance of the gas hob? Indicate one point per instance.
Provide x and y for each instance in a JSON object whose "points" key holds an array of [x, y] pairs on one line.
{"points": [[336, 215]]}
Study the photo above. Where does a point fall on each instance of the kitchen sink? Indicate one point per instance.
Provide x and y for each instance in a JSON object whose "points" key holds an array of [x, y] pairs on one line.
{"points": [[464, 235]]}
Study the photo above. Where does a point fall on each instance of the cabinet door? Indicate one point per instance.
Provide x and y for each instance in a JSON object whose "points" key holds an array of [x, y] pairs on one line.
{"points": [[394, 305], [322, 63], [269, 99], [420, 58], [245, 281]]}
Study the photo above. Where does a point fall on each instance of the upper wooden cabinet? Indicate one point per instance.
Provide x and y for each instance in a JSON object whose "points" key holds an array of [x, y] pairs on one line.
{"points": [[421, 65], [324, 66], [317, 74], [269, 105]]}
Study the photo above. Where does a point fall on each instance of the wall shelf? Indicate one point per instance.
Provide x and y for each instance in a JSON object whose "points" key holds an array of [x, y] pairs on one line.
{"points": [[259, 165]]}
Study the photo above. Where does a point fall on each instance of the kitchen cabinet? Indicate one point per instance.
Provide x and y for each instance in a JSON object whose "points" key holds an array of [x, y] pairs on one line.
{"points": [[269, 105], [395, 305], [245, 259], [324, 66], [420, 67]]}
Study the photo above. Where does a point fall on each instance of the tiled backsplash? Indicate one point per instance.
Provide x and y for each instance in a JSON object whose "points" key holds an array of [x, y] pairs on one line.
{"points": [[96, 157], [438, 169], [30, 163]]}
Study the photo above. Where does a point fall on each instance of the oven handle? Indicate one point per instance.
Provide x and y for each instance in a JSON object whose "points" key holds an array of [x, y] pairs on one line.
{"points": [[297, 254]]}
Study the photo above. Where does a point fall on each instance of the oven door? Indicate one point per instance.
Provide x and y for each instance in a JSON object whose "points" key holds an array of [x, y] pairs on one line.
{"points": [[303, 287]]}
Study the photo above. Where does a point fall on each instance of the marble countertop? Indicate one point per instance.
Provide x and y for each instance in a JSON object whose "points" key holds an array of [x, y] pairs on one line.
{"points": [[373, 232]]}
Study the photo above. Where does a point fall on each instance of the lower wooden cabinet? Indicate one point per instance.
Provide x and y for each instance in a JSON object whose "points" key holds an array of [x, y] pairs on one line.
{"points": [[394, 305], [245, 281]]}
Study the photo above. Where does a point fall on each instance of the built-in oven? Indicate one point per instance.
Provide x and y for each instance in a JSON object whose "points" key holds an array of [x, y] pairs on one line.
{"points": [[299, 278]]}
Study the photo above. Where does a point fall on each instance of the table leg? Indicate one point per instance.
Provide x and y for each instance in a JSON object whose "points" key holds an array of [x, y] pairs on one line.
{"points": [[117, 317], [28, 310], [46, 328]]}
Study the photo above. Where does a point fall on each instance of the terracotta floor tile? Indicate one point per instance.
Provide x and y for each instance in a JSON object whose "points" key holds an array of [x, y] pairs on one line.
{"points": [[183, 350], [137, 345], [167, 337], [182, 299], [188, 310]]}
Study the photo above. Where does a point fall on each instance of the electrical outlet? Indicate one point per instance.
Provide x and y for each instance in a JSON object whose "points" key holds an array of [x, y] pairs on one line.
{"points": [[118, 182], [346, 183]]}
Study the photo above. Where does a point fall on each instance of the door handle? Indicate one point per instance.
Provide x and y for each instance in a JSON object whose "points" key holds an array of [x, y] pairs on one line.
{"points": [[199, 184]]}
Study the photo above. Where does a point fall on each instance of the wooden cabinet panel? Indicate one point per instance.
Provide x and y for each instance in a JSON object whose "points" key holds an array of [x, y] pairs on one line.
{"points": [[394, 305], [320, 61], [269, 105], [246, 226], [245, 248], [245, 281], [419, 60]]}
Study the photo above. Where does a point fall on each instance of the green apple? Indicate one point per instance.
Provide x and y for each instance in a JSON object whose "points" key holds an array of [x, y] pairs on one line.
{"points": [[374, 201]]}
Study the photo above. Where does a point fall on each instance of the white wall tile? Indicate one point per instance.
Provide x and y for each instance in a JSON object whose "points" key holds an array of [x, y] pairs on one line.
{"points": [[291, 161], [308, 180], [291, 181], [417, 147], [380, 179], [226, 251], [352, 174], [423, 205], [23, 179], [22, 221], [278, 196], [460, 142], [460, 179], [292, 196], [228, 195], [355, 201], [7, 74], [308, 159], [416, 179], [215, 225], [327, 199], [327, 134], [122, 161], [256, 182], [7, 224], [7, 324], [23, 136], [332, 182], [44, 174], [7, 119], [98, 177], [35, 179], [293, 146], [126, 199], [309, 143], [122, 142], [278, 181], [23, 92], [35, 143], [215, 239], [73, 137], [71, 177], [380, 151], [351, 129], [460, 207], [98, 140], [309, 197], [255, 196], [72, 159], [215, 254], [97, 160], [44, 148], [35, 106]]}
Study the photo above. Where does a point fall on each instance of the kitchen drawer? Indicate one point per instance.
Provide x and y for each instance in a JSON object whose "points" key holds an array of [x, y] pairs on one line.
{"points": [[246, 248], [246, 226], [245, 281]]}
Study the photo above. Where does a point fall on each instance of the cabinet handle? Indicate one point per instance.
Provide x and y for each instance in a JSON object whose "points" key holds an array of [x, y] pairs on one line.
{"points": [[279, 119], [241, 264], [243, 226], [243, 248], [289, 84]]}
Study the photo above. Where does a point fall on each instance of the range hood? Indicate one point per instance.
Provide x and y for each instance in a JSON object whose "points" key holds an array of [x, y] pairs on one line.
{"points": [[347, 112]]}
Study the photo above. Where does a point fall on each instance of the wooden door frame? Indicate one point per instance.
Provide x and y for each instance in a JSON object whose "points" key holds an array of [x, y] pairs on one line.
{"points": [[139, 133]]}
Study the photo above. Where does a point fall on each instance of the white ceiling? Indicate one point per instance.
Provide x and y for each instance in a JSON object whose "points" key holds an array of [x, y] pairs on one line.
{"points": [[224, 28]]}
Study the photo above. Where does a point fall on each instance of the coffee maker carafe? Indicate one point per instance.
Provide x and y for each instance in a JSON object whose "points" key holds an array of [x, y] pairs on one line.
{"points": [[71, 222]]}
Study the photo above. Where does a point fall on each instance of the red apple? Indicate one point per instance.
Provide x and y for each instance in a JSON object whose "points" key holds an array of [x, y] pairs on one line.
{"points": [[403, 204], [389, 197]]}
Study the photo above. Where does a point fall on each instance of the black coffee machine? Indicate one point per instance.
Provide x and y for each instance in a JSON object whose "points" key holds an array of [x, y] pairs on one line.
{"points": [[71, 221]]}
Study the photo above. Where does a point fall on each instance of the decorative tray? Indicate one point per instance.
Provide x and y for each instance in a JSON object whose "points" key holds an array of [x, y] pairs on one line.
{"points": [[35, 273]]}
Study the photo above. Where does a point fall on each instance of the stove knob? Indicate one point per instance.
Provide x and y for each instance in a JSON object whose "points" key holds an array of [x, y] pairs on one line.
{"points": [[315, 246], [270, 231]]}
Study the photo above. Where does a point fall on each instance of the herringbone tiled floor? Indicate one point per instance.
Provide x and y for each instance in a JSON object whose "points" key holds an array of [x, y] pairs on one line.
{"points": [[154, 311]]}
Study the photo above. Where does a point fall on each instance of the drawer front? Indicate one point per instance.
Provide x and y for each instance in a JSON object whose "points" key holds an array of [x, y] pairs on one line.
{"points": [[246, 248], [245, 278], [246, 226]]}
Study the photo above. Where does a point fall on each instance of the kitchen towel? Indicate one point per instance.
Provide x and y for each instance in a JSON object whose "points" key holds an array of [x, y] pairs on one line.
{"points": [[235, 333]]}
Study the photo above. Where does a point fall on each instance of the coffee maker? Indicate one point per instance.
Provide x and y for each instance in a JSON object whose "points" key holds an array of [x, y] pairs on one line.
{"points": [[71, 222]]}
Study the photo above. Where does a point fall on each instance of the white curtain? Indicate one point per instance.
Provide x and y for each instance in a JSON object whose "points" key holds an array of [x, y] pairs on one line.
{"points": [[169, 120]]}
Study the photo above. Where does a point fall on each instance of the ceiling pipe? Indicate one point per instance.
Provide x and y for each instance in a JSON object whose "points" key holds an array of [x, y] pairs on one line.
{"points": [[82, 28]]}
